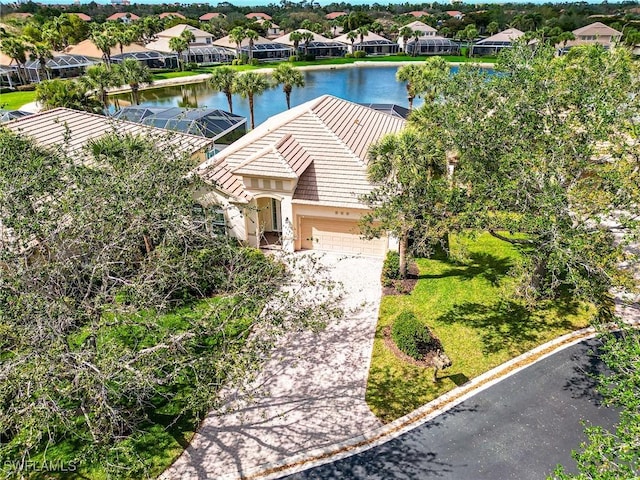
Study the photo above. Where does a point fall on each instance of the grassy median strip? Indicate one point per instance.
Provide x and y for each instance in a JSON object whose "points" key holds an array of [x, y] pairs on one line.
{"points": [[464, 301]]}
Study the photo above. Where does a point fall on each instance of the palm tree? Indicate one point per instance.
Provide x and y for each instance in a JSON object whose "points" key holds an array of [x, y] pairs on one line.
{"points": [[132, 73], [412, 74], [252, 35], [42, 53], [493, 28], [296, 38], [307, 37], [351, 36], [96, 80], [222, 80], [405, 32], [362, 32], [416, 34], [288, 77], [65, 93], [376, 27], [16, 49], [104, 41], [189, 38], [179, 45], [266, 25], [248, 86], [237, 35], [121, 34], [334, 24]]}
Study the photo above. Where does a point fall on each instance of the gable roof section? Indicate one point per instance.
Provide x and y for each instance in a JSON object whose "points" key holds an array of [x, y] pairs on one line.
{"points": [[370, 37], [421, 26], [210, 15], [317, 38], [508, 35], [324, 142], [597, 29], [119, 15], [177, 30], [73, 130], [286, 159]]}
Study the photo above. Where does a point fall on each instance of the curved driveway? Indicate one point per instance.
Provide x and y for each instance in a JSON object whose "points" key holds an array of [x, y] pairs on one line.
{"points": [[520, 428]]}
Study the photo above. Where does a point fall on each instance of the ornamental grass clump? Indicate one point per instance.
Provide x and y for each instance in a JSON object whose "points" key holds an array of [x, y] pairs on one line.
{"points": [[410, 335]]}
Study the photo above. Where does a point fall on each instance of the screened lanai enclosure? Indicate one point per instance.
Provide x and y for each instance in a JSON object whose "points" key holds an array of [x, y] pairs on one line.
{"points": [[433, 46], [323, 49], [223, 127], [150, 58], [209, 54], [60, 66], [8, 115], [269, 51], [378, 47]]}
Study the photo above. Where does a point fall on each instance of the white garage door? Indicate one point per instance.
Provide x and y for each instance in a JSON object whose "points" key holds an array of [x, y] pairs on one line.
{"points": [[341, 236]]}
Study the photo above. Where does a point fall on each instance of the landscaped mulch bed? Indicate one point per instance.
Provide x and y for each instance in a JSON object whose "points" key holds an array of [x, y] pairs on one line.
{"points": [[429, 355], [406, 286]]}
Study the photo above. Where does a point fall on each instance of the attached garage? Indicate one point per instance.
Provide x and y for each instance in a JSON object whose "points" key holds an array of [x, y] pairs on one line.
{"points": [[337, 235]]}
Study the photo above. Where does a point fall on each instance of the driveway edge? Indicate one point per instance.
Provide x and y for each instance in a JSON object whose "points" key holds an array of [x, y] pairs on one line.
{"points": [[370, 439]]}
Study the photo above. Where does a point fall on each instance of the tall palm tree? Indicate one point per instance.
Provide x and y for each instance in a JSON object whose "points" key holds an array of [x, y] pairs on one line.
{"points": [[307, 37], [252, 35], [131, 72], [179, 45], [248, 86], [416, 34], [96, 80], [351, 36], [237, 36], [16, 49], [288, 77], [189, 37], [363, 31], [405, 32], [41, 52], [296, 38], [104, 41], [222, 79], [122, 34], [493, 28], [412, 74]]}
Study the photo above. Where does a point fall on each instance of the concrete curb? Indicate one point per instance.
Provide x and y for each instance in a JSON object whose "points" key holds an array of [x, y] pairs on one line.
{"points": [[440, 405]]}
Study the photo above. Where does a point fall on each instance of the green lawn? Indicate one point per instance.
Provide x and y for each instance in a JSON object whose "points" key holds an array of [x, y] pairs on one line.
{"points": [[186, 73], [14, 100], [460, 302]]}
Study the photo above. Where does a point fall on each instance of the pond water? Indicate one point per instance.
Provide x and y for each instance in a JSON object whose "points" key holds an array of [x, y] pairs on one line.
{"points": [[357, 84]]}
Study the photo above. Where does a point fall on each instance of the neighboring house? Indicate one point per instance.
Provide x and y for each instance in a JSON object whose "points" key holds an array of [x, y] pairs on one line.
{"points": [[263, 48], [151, 58], [258, 16], [72, 130], [209, 16], [594, 34], [61, 65], [334, 15], [418, 13], [20, 15], [220, 126], [373, 44], [82, 16], [496, 43], [201, 50], [432, 45], [124, 17], [455, 14], [296, 181], [171, 15], [320, 47], [427, 31], [274, 31], [8, 72]]}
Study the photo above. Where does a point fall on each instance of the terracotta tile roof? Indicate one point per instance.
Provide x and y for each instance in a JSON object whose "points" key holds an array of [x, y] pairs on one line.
{"points": [[423, 27], [334, 133], [370, 37], [419, 13], [598, 29], [334, 15], [171, 14], [284, 39], [177, 30], [208, 16], [73, 130], [89, 49], [81, 16], [264, 16], [504, 36], [228, 43], [119, 15]]}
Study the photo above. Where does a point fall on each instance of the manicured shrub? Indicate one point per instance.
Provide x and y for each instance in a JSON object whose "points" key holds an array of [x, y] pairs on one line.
{"points": [[390, 269], [410, 335], [255, 61], [293, 58], [360, 54], [348, 55]]}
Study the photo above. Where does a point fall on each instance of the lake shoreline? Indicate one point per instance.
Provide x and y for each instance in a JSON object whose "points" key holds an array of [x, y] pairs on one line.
{"points": [[203, 77]]}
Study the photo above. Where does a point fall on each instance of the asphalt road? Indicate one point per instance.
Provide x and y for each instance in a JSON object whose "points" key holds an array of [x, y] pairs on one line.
{"points": [[520, 428]]}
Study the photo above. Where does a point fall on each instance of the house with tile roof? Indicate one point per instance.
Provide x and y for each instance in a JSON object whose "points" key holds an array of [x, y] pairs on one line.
{"points": [[211, 15], [593, 34], [258, 16], [263, 48], [319, 46], [124, 17], [496, 43], [372, 44], [416, 26], [201, 49], [82, 16], [418, 13], [297, 179], [171, 15], [334, 15]]}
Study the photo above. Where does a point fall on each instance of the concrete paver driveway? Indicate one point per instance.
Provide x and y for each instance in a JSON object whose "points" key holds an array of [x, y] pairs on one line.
{"points": [[310, 394]]}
